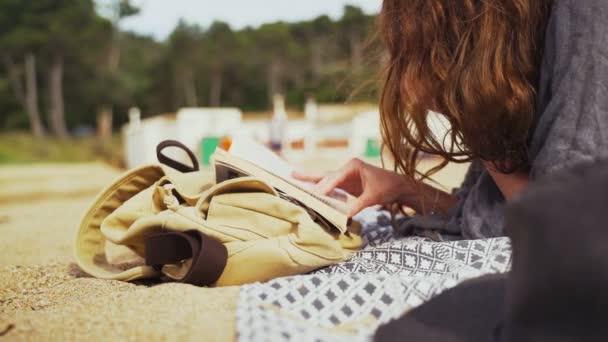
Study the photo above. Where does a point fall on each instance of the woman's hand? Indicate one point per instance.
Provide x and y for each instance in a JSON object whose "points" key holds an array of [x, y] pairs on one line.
{"points": [[369, 184]]}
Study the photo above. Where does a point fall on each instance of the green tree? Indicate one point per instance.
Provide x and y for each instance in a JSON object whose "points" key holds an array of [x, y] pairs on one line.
{"points": [[276, 48], [64, 58], [113, 83], [144, 75], [219, 48], [18, 41], [355, 25], [183, 53], [316, 38], [59, 28]]}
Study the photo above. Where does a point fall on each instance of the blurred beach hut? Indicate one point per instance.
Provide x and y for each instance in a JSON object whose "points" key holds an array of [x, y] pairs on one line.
{"points": [[140, 137], [197, 128], [201, 129], [365, 138], [332, 125]]}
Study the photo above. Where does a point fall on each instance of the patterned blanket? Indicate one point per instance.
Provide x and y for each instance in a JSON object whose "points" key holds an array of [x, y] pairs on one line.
{"points": [[348, 301]]}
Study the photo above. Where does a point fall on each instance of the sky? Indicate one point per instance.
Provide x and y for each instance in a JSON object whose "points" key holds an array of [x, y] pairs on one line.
{"points": [[159, 17]]}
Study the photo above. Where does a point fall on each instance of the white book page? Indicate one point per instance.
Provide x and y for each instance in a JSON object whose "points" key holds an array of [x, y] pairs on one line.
{"points": [[254, 152], [258, 154]]}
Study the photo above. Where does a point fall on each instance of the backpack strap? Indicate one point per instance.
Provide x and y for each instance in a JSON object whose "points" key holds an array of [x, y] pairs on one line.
{"points": [[209, 256], [163, 159]]}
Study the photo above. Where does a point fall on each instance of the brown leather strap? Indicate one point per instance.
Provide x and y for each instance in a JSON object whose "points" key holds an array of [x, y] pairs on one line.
{"points": [[163, 159], [209, 256]]}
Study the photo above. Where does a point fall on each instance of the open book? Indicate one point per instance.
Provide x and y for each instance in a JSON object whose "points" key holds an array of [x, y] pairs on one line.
{"points": [[248, 158]]}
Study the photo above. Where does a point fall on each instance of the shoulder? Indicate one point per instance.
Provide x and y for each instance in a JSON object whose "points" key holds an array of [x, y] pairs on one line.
{"points": [[584, 14], [576, 30], [571, 105]]}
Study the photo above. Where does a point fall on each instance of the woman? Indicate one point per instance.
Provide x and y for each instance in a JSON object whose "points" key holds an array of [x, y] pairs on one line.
{"points": [[524, 85]]}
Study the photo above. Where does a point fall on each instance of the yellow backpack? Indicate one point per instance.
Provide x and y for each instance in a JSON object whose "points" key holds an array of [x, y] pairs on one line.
{"points": [[156, 221]]}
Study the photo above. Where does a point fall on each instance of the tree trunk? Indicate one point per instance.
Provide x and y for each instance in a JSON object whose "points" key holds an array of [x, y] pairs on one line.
{"points": [[104, 122], [316, 60], [356, 50], [105, 116], [56, 110], [28, 95], [215, 93], [114, 55], [275, 78], [190, 89], [31, 96], [105, 113], [15, 78]]}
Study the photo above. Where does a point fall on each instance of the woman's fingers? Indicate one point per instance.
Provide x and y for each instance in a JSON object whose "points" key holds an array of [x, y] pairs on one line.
{"points": [[368, 184], [307, 176], [340, 178]]}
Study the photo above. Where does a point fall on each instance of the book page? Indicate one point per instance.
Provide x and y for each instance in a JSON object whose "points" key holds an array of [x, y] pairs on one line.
{"points": [[256, 153], [229, 166]]}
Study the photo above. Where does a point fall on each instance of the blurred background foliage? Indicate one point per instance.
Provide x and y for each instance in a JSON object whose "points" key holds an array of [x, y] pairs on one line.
{"points": [[66, 65], [21, 148]]}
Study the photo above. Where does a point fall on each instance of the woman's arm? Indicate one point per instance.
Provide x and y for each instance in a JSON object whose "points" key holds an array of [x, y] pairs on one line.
{"points": [[426, 199]]}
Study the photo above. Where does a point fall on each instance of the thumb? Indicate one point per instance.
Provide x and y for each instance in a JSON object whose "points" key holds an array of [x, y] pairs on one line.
{"points": [[338, 178], [359, 203]]}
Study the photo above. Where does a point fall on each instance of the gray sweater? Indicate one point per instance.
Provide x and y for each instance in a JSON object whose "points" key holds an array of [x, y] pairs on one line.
{"points": [[571, 119]]}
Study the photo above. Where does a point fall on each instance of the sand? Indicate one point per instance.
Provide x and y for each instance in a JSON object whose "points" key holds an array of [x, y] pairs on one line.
{"points": [[54, 303], [45, 297]]}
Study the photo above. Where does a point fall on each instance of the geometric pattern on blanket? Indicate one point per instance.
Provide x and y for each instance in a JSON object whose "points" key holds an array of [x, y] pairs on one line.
{"points": [[348, 301]]}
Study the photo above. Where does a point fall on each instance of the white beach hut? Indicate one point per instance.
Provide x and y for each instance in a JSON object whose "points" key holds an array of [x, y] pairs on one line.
{"points": [[190, 126]]}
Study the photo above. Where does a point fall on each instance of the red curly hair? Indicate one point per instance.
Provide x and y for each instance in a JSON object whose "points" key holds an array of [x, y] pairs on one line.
{"points": [[473, 61]]}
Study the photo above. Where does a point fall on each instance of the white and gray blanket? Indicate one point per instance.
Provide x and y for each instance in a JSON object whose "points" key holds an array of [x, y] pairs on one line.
{"points": [[348, 301]]}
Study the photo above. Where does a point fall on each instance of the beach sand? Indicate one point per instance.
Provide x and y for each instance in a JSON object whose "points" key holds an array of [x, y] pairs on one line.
{"points": [[43, 294]]}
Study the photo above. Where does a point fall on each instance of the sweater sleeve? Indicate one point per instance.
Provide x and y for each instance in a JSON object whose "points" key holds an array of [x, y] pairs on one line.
{"points": [[572, 121]]}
